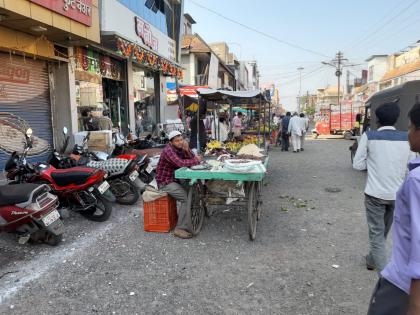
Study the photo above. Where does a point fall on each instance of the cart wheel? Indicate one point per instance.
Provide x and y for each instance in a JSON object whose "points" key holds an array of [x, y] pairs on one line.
{"points": [[195, 209], [207, 211], [252, 210], [259, 200]]}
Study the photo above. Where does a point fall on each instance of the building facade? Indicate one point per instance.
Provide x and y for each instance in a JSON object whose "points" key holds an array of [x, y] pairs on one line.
{"points": [[203, 67], [36, 71], [402, 67], [377, 66], [146, 37]]}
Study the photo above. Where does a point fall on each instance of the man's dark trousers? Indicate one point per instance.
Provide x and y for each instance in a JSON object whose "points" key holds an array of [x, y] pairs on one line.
{"points": [[387, 299], [284, 141]]}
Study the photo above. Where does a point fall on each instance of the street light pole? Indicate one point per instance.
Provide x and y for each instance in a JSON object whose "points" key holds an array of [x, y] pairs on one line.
{"points": [[300, 69], [338, 73]]}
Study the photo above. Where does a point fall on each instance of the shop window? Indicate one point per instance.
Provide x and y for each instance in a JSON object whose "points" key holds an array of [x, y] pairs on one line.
{"points": [[100, 91], [89, 99], [145, 102]]}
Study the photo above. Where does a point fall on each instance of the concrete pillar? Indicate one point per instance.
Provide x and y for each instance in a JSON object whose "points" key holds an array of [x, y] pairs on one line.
{"points": [[130, 90], [193, 71], [63, 98], [72, 89]]}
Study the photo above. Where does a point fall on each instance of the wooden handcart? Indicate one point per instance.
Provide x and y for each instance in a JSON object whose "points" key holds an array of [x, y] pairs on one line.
{"points": [[197, 204]]}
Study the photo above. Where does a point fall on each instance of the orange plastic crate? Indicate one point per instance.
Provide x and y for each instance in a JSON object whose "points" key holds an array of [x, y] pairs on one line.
{"points": [[160, 215]]}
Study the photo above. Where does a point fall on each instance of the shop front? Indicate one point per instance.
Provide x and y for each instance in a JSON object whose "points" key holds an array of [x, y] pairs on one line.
{"points": [[24, 102], [100, 90], [150, 53], [35, 71]]}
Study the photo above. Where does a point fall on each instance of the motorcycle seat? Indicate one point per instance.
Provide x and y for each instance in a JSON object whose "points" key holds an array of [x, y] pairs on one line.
{"points": [[112, 166], [15, 194], [66, 177]]}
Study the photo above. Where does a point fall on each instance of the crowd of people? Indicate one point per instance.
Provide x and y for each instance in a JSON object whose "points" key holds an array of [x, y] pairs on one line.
{"points": [[392, 197], [293, 127]]}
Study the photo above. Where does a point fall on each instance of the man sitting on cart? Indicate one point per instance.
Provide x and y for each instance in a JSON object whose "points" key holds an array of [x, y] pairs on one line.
{"points": [[176, 154]]}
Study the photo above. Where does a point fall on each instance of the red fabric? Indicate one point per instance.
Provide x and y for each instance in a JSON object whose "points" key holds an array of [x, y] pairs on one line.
{"points": [[170, 160]]}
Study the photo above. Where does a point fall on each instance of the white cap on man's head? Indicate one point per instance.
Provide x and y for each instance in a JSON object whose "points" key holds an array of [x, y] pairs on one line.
{"points": [[174, 134]]}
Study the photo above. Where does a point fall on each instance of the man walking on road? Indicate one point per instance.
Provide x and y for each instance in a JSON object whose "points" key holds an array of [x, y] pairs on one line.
{"points": [[384, 153], [284, 132], [305, 126], [295, 131], [176, 154], [398, 289]]}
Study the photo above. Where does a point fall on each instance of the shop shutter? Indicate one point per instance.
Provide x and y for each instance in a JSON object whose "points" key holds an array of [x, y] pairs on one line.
{"points": [[24, 93]]}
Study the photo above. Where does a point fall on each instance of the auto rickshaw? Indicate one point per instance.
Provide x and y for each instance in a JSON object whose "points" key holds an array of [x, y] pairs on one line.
{"points": [[405, 95]]}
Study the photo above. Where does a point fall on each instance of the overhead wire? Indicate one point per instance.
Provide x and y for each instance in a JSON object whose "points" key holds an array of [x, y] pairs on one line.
{"points": [[304, 76], [259, 32], [366, 31], [382, 26], [410, 23]]}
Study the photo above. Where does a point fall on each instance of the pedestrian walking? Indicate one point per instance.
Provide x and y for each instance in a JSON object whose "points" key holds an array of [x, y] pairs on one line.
{"points": [[305, 126], [285, 132], [237, 125], [384, 153], [398, 289], [202, 133], [279, 131], [295, 131]]}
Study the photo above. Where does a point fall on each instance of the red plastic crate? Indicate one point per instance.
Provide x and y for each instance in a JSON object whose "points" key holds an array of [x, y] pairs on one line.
{"points": [[160, 215]]}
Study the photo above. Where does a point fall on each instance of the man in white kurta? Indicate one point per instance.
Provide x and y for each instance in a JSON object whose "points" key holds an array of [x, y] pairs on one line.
{"points": [[305, 126], [295, 130]]}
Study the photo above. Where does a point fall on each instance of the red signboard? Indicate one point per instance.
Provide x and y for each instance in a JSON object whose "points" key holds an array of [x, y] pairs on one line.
{"points": [[77, 10]]}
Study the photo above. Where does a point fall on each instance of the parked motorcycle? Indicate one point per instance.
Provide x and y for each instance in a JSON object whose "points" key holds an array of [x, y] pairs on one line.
{"points": [[122, 173], [81, 189], [30, 211], [122, 151]]}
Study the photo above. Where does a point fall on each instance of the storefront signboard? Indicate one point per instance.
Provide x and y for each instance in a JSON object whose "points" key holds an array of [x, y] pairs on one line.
{"points": [[92, 62], [120, 20], [77, 10]]}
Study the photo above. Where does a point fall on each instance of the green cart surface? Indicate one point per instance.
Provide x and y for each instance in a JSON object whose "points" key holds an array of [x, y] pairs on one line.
{"points": [[186, 173]]}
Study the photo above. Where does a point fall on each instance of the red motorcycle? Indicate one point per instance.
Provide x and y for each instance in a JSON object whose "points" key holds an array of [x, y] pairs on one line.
{"points": [[30, 211], [81, 189]]}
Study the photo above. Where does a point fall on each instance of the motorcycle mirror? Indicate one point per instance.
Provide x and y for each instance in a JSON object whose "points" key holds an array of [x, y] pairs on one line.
{"points": [[65, 130], [29, 132]]}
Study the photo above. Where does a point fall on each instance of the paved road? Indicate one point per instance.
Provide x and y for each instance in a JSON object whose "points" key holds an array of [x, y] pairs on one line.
{"points": [[116, 268]]}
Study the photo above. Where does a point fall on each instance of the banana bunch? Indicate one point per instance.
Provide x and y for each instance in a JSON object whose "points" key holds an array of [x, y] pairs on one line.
{"points": [[250, 140], [233, 146], [214, 144]]}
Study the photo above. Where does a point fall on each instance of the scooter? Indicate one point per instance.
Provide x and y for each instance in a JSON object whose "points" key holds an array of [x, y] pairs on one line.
{"points": [[30, 211], [81, 189]]}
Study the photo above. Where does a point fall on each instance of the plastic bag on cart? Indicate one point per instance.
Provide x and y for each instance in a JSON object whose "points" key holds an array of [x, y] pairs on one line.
{"points": [[227, 189]]}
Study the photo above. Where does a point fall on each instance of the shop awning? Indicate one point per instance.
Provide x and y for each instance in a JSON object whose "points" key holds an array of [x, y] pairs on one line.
{"points": [[190, 103], [234, 97]]}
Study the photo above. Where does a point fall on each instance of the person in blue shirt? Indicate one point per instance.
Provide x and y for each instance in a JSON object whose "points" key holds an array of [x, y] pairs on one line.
{"points": [[284, 132], [398, 289]]}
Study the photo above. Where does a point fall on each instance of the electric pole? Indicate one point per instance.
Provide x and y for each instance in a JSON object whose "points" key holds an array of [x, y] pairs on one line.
{"points": [[300, 69], [337, 63]]}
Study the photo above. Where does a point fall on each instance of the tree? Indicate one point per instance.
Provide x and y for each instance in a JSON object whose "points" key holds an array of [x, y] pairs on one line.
{"points": [[310, 111]]}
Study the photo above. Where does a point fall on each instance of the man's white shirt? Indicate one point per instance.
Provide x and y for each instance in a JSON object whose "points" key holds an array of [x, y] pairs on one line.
{"points": [[385, 154]]}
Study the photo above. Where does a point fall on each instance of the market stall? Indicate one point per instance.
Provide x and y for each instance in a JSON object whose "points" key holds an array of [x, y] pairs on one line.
{"points": [[228, 175]]}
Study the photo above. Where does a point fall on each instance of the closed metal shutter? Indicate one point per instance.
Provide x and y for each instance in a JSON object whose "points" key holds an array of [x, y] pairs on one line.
{"points": [[24, 100]]}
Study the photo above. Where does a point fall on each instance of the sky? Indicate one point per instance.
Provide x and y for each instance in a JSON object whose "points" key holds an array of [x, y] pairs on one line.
{"points": [[320, 28]]}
